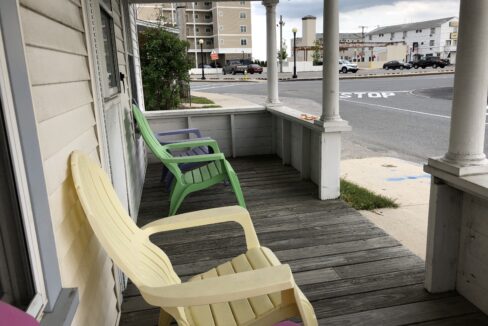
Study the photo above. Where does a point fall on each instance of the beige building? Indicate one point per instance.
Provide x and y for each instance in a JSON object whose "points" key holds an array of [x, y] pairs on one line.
{"points": [[224, 27]]}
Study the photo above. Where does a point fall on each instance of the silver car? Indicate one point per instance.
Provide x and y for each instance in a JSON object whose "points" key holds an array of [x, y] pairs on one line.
{"points": [[345, 66]]}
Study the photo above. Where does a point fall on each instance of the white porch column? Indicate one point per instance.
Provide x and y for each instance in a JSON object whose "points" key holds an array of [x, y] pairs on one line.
{"points": [[452, 234], [466, 143], [330, 85], [272, 73], [330, 141]]}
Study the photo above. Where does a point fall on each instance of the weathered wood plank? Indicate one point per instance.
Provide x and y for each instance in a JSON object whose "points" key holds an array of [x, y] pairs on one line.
{"points": [[405, 314], [352, 271]]}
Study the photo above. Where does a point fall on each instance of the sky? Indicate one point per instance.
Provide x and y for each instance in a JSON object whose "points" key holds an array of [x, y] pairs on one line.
{"points": [[353, 13]]}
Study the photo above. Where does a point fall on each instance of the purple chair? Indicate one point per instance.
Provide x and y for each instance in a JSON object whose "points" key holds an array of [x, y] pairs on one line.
{"points": [[202, 150], [12, 316]]}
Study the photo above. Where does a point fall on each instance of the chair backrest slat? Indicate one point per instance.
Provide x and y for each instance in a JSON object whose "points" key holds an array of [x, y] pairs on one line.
{"points": [[128, 246], [153, 143]]}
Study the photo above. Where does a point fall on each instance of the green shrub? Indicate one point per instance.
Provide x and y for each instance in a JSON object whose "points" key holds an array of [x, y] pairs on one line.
{"points": [[165, 65]]}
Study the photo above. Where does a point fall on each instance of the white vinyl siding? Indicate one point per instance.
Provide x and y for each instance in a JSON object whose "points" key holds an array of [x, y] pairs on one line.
{"points": [[57, 59]]}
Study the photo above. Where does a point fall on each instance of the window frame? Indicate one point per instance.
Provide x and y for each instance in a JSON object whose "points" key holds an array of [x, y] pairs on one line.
{"points": [[108, 92], [244, 43], [243, 29], [242, 15]]}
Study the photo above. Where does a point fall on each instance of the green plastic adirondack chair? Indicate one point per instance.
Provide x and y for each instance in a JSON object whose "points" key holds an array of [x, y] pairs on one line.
{"points": [[217, 170]]}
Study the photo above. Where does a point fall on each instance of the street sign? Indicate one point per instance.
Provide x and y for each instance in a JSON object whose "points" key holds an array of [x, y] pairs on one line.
{"points": [[214, 55]]}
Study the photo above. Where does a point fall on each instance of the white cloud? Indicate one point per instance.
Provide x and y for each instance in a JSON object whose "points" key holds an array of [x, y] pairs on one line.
{"points": [[396, 13]]}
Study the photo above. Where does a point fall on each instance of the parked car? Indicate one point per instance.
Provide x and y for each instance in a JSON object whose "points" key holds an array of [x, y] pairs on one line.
{"points": [[345, 66], [216, 65], [234, 67], [433, 62], [254, 68], [396, 65]]}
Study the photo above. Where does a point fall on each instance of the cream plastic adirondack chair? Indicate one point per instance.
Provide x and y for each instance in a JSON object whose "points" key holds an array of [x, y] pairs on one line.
{"points": [[251, 289]]}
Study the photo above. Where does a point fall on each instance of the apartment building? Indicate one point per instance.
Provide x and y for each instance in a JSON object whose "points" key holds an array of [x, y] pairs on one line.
{"points": [[224, 27], [427, 38]]}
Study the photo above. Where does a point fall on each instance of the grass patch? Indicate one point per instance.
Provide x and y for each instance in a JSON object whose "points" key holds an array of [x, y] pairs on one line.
{"points": [[211, 106], [201, 100], [363, 199]]}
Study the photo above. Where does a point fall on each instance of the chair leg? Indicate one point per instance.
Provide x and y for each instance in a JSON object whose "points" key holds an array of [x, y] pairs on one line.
{"points": [[176, 199], [236, 187], [165, 319]]}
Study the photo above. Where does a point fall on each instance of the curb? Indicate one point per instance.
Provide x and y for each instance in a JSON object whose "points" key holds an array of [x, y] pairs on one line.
{"points": [[367, 76]]}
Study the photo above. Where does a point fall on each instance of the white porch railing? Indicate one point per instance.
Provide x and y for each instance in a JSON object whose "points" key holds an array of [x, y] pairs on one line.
{"points": [[254, 131]]}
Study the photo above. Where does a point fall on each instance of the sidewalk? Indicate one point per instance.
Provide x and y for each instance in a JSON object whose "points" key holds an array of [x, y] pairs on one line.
{"points": [[407, 184], [225, 101]]}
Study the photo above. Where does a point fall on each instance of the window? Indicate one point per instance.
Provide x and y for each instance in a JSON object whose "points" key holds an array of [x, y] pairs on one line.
{"points": [[242, 15], [243, 3], [432, 31], [243, 41], [448, 42], [418, 31], [392, 35], [207, 30], [111, 78], [370, 37], [381, 35], [197, 30], [196, 16], [221, 13], [221, 28], [207, 17], [243, 29], [405, 34], [432, 43], [207, 4], [208, 42]]}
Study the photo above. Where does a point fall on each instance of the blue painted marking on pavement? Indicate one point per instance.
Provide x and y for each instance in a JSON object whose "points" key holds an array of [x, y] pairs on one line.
{"points": [[409, 177]]}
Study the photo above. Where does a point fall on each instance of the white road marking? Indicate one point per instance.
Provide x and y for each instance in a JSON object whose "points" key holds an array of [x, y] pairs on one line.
{"points": [[399, 109], [385, 107], [370, 94]]}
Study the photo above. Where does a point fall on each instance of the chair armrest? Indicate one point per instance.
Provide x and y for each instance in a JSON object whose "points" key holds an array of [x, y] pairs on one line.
{"points": [[195, 158], [221, 289], [194, 143], [235, 214], [194, 131]]}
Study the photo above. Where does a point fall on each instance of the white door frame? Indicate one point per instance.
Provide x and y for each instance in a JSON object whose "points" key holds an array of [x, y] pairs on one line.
{"points": [[40, 299]]}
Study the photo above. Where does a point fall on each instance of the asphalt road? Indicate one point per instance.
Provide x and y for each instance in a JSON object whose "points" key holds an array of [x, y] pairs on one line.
{"points": [[318, 74], [406, 117]]}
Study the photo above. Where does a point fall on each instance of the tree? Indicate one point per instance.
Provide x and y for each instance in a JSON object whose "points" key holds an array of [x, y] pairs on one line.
{"points": [[282, 54], [317, 55], [165, 65]]}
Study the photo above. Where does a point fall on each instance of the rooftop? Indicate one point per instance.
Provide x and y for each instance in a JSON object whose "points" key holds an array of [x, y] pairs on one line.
{"points": [[412, 26], [352, 271]]}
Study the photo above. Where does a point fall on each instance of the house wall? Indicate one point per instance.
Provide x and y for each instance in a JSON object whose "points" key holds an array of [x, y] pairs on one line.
{"points": [[57, 59], [67, 117]]}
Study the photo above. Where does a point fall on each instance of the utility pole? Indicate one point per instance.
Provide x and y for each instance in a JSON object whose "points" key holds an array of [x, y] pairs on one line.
{"points": [[362, 38], [281, 24], [181, 19]]}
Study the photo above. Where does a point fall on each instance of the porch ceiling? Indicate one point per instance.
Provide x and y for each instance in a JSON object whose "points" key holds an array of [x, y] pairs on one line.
{"points": [[352, 271]]}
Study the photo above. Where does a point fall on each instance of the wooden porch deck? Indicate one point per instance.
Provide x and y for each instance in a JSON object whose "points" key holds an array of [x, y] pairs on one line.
{"points": [[352, 272]]}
